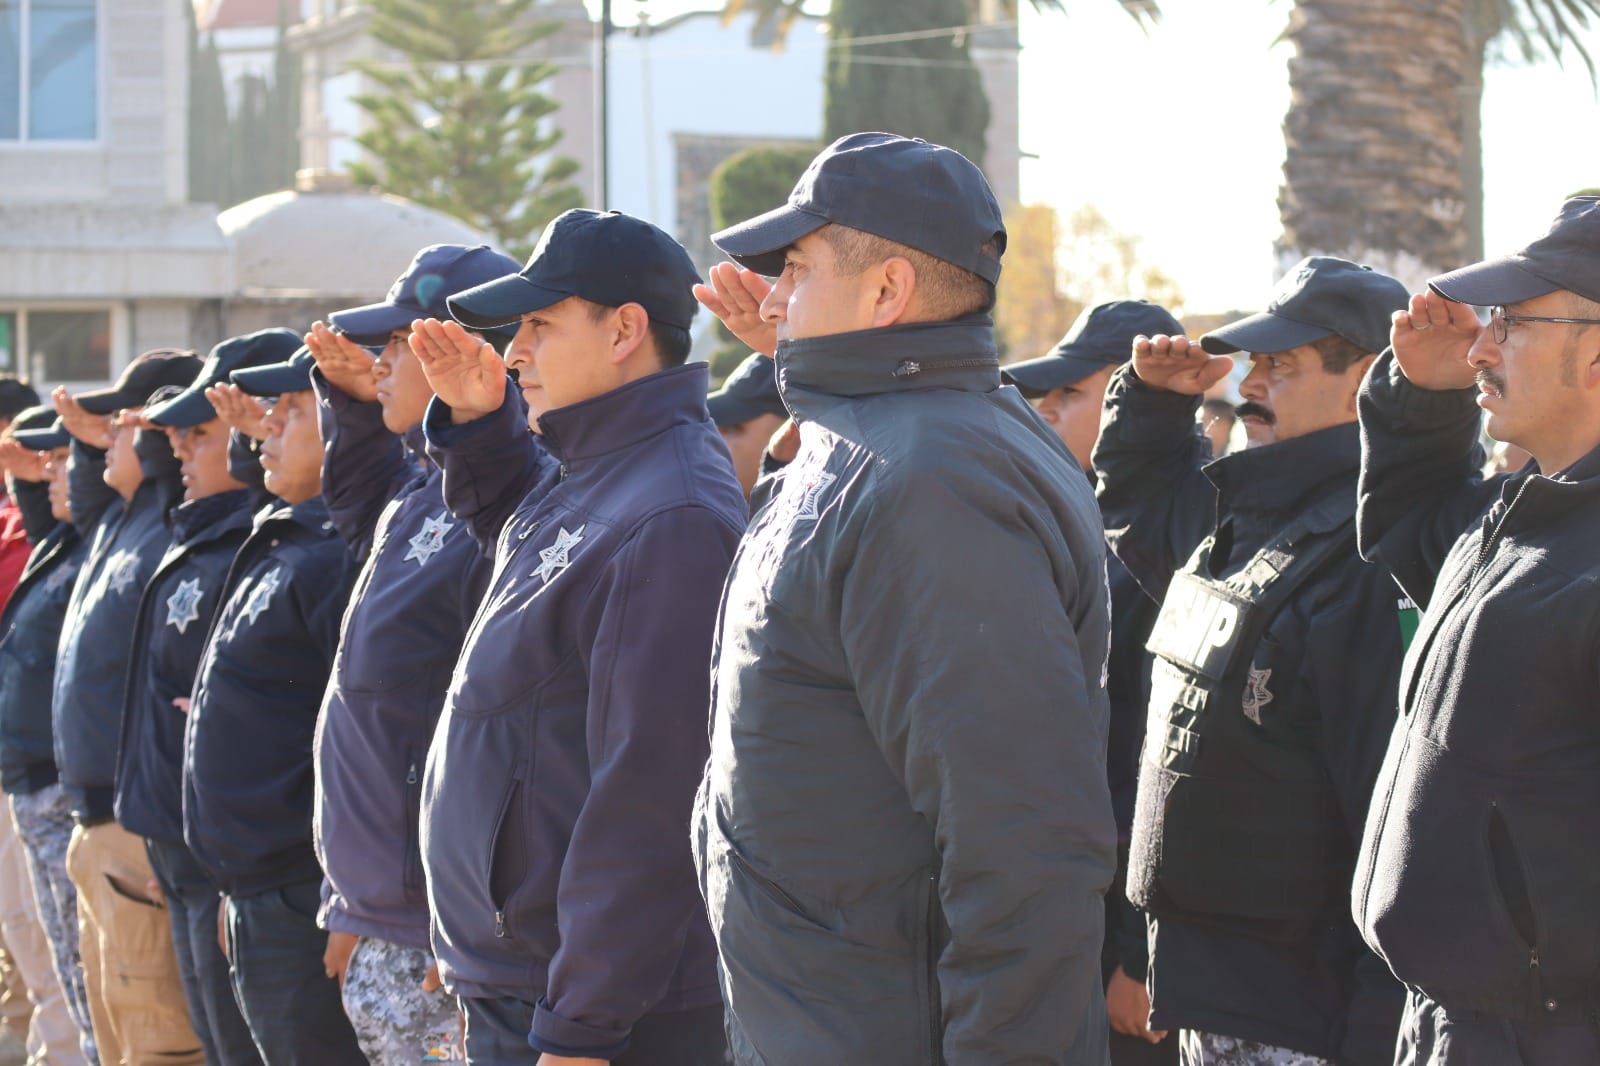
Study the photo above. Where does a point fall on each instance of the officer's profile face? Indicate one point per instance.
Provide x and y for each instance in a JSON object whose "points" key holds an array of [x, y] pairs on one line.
{"points": [[1073, 411], [55, 472], [123, 471], [1537, 385], [403, 389], [573, 351], [291, 456], [814, 298], [1289, 394], [746, 442], [202, 453]]}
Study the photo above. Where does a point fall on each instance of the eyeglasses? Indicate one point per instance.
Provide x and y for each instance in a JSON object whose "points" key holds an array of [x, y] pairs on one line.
{"points": [[1500, 323]]}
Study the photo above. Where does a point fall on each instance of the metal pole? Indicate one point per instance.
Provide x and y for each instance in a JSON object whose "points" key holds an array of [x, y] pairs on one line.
{"points": [[604, 154]]}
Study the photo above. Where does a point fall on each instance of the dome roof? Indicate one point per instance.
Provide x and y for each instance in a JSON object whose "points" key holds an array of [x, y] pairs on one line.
{"points": [[339, 242]]}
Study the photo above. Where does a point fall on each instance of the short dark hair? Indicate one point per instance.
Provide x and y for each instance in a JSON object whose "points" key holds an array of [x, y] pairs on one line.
{"points": [[947, 291], [1339, 353], [16, 396], [673, 343]]}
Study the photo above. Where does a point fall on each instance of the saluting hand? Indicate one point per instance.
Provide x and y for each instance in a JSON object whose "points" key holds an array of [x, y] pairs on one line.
{"points": [[346, 365], [93, 430], [238, 410], [464, 371], [1431, 340], [1177, 364], [735, 296], [24, 464]]}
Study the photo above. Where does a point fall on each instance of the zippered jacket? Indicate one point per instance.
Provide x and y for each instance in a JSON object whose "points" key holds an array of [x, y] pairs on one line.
{"points": [[1477, 875], [557, 796], [247, 777], [175, 614], [420, 583], [905, 832]]}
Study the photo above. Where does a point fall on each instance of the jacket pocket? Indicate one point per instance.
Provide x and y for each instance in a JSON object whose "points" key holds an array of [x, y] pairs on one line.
{"points": [[508, 858], [411, 877], [931, 938]]}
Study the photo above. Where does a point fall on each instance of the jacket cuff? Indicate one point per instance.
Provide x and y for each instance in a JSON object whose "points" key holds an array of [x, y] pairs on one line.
{"points": [[562, 1036], [1146, 415], [441, 432], [1408, 407]]}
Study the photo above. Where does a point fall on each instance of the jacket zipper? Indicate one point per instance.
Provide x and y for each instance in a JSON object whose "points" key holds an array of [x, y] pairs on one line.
{"points": [[935, 1008], [1493, 539], [911, 367]]}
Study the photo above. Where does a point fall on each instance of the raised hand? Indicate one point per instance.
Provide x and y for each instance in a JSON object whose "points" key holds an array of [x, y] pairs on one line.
{"points": [[238, 410], [24, 464], [735, 296], [1431, 340], [1177, 364], [346, 365], [93, 430], [463, 371]]}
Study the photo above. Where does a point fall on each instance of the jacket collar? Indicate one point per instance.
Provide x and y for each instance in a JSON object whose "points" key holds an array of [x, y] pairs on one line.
{"points": [[960, 354], [1281, 479], [628, 414], [309, 514]]}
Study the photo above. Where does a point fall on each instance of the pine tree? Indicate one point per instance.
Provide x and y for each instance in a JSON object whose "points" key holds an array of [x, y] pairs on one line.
{"points": [[906, 68], [208, 120], [462, 126]]}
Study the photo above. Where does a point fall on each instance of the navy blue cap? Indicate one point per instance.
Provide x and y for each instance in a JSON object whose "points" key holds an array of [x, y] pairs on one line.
{"points": [[921, 195], [1101, 337], [750, 391], [604, 257], [275, 379], [1318, 297], [437, 272], [39, 429], [143, 376], [190, 406], [1565, 258]]}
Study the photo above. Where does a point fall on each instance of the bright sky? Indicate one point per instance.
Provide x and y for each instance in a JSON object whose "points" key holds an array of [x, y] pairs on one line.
{"points": [[1176, 134]]}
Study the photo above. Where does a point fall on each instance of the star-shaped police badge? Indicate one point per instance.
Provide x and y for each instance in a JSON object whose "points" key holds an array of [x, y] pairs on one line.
{"points": [[121, 568], [554, 559], [183, 606], [261, 596], [809, 490], [1256, 695], [429, 539]]}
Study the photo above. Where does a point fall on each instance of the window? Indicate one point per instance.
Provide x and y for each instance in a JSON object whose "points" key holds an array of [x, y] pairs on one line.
{"points": [[49, 64], [57, 344]]}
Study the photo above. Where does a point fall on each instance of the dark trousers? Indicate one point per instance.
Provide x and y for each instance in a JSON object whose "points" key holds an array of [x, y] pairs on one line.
{"points": [[1432, 1036], [497, 1035], [292, 1006], [192, 904]]}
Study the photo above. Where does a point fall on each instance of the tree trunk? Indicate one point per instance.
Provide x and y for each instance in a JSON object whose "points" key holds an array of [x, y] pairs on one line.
{"points": [[1472, 140], [1373, 170]]}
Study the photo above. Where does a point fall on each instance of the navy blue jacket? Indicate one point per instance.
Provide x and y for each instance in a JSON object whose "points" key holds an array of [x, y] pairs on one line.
{"points": [[420, 585], [97, 636], [29, 632], [247, 754], [174, 616], [558, 790]]}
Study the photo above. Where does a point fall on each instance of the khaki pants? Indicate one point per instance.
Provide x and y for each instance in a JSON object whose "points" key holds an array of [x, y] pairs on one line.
{"points": [[49, 1031], [130, 970]]}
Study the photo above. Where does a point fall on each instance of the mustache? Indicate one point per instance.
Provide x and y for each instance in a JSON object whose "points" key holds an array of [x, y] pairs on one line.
{"points": [[1494, 381], [1250, 409]]}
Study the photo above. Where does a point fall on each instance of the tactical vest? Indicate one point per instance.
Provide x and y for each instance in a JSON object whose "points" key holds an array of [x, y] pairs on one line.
{"points": [[1236, 819]]}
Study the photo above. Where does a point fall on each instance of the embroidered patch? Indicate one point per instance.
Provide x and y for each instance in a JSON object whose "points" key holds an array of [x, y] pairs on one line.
{"points": [[556, 558], [429, 539], [121, 570], [809, 490], [183, 606], [1256, 695], [261, 595]]}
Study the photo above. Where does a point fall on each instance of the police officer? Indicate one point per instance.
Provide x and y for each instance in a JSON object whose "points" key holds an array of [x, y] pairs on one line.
{"points": [[1478, 877], [748, 411], [1277, 650], [1068, 387]]}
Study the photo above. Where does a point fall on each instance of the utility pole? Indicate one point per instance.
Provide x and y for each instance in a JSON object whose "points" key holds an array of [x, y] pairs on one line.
{"points": [[602, 162]]}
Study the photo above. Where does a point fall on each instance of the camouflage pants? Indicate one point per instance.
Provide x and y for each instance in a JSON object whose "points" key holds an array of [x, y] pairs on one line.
{"points": [[396, 1022], [44, 825], [1209, 1049]]}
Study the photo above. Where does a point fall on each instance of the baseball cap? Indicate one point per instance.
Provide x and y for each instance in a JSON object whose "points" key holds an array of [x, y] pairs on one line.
{"points": [[751, 390], [605, 257], [1567, 257], [275, 379], [1102, 336], [39, 429], [437, 272], [140, 378], [921, 195], [1319, 296], [190, 406]]}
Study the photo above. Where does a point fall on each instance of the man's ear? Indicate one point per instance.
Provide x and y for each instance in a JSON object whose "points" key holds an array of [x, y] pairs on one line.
{"points": [[1589, 356], [630, 327], [897, 289]]}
